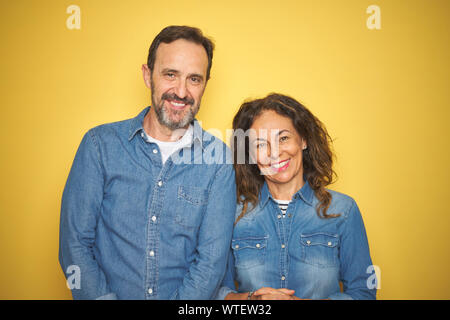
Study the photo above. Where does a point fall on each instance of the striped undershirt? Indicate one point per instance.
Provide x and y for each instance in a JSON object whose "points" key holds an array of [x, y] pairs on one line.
{"points": [[283, 204]]}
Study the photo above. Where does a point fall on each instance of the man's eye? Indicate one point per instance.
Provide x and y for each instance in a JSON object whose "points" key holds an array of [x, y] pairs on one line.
{"points": [[170, 75], [195, 79]]}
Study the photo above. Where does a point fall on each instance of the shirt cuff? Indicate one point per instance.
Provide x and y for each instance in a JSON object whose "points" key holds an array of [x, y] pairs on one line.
{"points": [[109, 296], [223, 292]]}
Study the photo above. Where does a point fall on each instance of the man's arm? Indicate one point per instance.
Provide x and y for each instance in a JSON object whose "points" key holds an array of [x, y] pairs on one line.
{"points": [[214, 238], [228, 288], [80, 209]]}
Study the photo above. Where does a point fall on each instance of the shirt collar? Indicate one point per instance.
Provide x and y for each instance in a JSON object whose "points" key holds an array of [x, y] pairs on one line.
{"points": [[136, 126], [305, 193]]}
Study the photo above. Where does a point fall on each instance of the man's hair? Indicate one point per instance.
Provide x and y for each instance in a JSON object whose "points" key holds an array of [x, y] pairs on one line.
{"points": [[172, 33]]}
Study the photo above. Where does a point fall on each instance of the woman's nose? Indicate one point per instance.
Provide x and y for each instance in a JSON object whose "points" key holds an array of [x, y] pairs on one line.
{"points": [[274, 150]]}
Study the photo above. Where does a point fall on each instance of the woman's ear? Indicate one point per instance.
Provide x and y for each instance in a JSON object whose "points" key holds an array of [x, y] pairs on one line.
{"points": [[304, 144]]}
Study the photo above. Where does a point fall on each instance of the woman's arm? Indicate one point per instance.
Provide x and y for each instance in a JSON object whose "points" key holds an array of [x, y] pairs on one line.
{"points": [[354, 258]]}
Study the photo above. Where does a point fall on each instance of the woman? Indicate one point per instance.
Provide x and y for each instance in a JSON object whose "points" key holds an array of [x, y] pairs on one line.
{"points": [[293, 238]]}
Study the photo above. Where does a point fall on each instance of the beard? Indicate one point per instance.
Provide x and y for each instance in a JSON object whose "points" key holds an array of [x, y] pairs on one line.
{"points": [[166, 116]]}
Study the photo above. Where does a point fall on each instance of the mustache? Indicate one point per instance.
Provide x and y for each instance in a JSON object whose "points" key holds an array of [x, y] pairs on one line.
{"points": [[173, 96]]}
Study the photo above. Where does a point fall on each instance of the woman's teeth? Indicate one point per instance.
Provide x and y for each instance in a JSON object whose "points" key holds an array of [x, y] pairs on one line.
{"points": [[280, 164]]}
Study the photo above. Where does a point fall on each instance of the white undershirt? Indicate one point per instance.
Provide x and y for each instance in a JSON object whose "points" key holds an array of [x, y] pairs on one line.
{"points": [[167, 148]]}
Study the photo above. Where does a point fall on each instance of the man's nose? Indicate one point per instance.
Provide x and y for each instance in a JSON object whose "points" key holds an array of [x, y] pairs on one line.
{"points": [[180, 89]]}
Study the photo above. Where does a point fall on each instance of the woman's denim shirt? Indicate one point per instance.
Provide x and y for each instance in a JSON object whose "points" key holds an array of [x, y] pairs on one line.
{"points": [[302, 251]]}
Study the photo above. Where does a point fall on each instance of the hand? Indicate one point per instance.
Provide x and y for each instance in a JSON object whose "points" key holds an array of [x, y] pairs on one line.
{"points": [[267, 293]]}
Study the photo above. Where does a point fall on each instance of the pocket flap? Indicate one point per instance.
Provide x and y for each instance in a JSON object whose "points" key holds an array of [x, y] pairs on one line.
{"points": [[253, 243], [193, 195], [320, 239]]}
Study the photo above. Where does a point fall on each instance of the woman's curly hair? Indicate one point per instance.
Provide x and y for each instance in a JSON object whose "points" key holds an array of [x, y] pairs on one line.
{"points": [[317, 157]]}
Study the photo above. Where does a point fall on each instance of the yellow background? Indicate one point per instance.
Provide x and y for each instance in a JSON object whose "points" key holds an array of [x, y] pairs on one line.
{"points": [[383, 94]]}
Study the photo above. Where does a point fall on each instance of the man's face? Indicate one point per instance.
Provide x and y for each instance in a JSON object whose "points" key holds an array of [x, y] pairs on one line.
{"points": [[177, 82]]}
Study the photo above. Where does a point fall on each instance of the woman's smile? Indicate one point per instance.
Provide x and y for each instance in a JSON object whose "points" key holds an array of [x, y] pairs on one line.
{"points": [[280, 166]]}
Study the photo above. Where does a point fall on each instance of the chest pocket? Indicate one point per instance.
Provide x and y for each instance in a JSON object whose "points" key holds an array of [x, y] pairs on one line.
{"points": [[320, 249], [249, 252], [190, 205]]}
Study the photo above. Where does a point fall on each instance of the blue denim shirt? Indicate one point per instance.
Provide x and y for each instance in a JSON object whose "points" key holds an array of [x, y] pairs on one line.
{"points": [[138, 229], [303, 252]]}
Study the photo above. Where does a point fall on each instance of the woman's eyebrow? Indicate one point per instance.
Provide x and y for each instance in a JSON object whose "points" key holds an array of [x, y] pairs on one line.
{"points": [[278, 133], [282, 131]]}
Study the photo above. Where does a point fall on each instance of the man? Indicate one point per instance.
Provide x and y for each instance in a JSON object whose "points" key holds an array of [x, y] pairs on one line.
{"points": [[145, 214]]}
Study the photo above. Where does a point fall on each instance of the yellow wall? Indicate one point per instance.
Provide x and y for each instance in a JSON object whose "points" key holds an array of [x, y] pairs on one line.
{"points": [[383, 94]]}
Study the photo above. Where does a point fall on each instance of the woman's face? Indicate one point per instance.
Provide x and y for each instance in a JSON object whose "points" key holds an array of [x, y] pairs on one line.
{"points": [[277, 148]]}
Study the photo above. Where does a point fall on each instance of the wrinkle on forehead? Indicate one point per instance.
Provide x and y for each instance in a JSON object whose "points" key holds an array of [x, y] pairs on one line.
{"points": [[184, 56]]}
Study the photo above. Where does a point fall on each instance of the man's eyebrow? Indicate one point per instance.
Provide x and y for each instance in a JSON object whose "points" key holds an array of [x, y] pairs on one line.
{"points": [[196, 75], [166, 70]]}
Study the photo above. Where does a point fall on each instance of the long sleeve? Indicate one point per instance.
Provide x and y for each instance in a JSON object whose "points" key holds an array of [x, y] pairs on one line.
{"points": [[80, 209], [228, 284], [214, 238], [354, 259]]}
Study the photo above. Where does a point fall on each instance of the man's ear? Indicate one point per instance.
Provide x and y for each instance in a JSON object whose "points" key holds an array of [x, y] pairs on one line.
{"points": [[146, 74]]}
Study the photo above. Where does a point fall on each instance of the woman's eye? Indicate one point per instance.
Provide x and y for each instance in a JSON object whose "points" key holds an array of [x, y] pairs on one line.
{"points": [[261, 145], [284, 139]]}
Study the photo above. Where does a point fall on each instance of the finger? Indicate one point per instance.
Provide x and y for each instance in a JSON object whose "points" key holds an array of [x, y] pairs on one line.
{"points": [[287, 291], [268, 290], [263, 290], [275, 297]]}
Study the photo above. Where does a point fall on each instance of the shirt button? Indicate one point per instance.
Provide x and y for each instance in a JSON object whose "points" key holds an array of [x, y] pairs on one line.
{"points": [[154, 218], [155, 151], [279, 216], [152, 253], [283, 278], [160, 183], [329, 244], [150, 291], [258, 245], [283, 246], [308, 242], [236, 246]]}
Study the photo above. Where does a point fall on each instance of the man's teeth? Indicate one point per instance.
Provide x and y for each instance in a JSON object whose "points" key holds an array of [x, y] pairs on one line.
{"points": [[178, 104], [280, 164]]}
